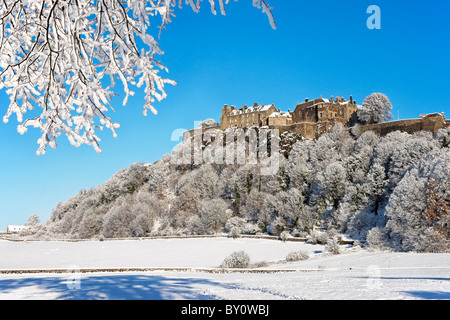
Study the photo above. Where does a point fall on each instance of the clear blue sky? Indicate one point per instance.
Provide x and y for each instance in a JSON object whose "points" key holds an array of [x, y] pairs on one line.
{"points": [[319, 48]]}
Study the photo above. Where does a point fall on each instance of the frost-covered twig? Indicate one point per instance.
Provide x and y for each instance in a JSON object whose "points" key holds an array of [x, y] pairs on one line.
{"points": [[56, 56]]}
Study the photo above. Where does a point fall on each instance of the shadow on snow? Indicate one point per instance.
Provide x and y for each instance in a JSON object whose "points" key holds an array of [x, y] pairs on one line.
{"points": [[110, 287], [430, 295]]}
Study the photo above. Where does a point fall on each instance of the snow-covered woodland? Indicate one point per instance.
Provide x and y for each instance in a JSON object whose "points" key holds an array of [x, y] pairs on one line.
{"points": [[391, 192]]}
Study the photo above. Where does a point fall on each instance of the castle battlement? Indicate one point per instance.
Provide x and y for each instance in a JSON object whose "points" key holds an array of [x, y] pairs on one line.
{"points": [[310, 118]]}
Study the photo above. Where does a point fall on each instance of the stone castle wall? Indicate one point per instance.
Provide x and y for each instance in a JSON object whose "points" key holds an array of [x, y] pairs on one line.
{"points": [[431, 123], [313, 118], [313, 130]]}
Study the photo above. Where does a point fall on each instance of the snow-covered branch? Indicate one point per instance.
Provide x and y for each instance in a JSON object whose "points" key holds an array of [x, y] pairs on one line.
{"points": [[59, 60]]}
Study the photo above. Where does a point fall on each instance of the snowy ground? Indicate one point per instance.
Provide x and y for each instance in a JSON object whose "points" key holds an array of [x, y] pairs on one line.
{"points": [[354, 274]]}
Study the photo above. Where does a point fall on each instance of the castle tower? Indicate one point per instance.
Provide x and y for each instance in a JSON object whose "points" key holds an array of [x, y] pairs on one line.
{"points": [[224, 119]]}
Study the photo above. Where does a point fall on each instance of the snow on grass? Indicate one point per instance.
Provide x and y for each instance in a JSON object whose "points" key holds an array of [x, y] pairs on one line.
{"points": [[195, 252], [354, 274]]}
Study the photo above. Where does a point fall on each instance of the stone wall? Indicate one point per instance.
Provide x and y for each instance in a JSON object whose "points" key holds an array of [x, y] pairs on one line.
{"points": [[308, 130], [313, 130], [431, 123], [190, 133]]}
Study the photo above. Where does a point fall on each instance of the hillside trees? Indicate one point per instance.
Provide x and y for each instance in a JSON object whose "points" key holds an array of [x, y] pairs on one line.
{"points": [[419, 205], [409, 154], [437, 212], [184, 206], [147, 209], [392, 191], [116, 222], [213, 215]]}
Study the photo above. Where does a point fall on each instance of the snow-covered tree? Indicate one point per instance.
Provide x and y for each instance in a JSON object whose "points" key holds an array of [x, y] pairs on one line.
{"points": [[356, 167], [253, 205], [376, 238], [376, 108], [367, 139], [238, 259], [33, 220], [147, 208], [344, 143], [298, 167], [419, 202], [409, 154], [212, 217], [183, 207], [324, 152], [277, 226], [354, 200], [207, 123], [297, 256], [156, 174], [235, 225], [116, 222], [443, 136], [63, 58], [91, 225], [438, 210], [334, 182], [384, 149], [333, 247], [204, 180], [293, 210]]}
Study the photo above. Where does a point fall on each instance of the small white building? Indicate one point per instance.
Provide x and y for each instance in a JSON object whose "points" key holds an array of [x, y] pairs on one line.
{"points": [[16, 229]]}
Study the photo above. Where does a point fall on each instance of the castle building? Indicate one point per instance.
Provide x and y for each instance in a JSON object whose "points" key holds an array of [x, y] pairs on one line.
{"points": [[315, 117], [310, 118], [325, 110], [255, 116], [282, 118]]}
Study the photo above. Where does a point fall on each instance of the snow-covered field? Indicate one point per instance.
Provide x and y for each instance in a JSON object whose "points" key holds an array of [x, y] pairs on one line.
{"points": [[354, 274]]}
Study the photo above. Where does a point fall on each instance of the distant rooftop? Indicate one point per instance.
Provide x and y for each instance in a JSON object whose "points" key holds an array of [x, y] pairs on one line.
{"points": [[254, 108]]}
